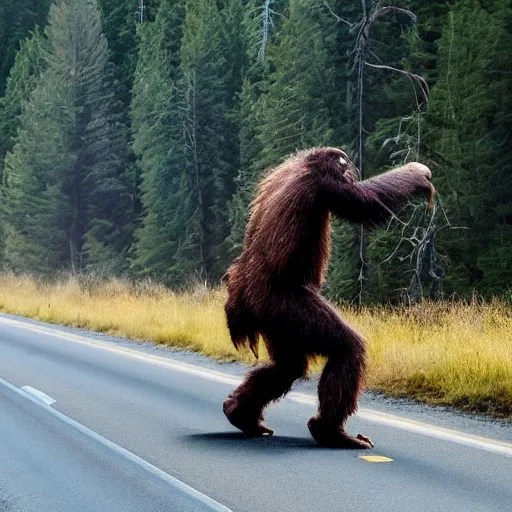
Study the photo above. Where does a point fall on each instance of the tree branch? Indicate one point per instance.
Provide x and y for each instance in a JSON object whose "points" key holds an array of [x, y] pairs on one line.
{"points": [[265, 29], [391, 9], [338, 18], [417, 78]]}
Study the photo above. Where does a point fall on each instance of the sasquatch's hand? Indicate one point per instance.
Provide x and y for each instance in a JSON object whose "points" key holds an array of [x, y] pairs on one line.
{"points": [[418, 168], [424, 183]]}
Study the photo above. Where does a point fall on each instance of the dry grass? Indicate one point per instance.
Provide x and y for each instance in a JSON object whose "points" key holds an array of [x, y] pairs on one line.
{"points": [[447, 353]]}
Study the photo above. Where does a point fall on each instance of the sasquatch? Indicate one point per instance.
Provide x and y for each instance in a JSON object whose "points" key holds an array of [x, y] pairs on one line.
{"points": [[274, 286]]}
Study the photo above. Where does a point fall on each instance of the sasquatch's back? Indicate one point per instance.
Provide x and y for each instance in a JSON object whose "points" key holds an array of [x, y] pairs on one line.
{"points": [[287, 241]]}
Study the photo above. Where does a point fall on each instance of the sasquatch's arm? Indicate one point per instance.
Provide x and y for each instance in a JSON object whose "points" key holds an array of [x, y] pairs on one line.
{"points": [[375, 200]]}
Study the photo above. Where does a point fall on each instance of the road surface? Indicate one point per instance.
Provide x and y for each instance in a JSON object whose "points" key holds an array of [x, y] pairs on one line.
{"points": [[93, 425]]}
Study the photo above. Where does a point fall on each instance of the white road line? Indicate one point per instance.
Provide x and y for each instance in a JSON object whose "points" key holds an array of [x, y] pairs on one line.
{"points": [[418, 427], [454, 436], [178, 485], [205, 373], [390, 420], [39, 395]]}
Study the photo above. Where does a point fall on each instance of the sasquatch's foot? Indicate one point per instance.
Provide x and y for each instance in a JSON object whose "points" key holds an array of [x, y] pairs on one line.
{"points": [[335, 436], [249, 423]]}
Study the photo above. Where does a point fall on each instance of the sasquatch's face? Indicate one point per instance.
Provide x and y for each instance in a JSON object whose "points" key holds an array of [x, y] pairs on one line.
{"points": [[332, 164]]}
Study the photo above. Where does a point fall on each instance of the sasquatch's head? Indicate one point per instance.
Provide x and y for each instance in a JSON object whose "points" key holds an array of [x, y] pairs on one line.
{"points": [[331, 165]]}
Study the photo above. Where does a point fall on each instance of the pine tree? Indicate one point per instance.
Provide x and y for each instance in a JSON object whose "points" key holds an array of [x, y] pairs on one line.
{"points": [[119, 26], [468, 122], [119, 21], [282, 110], [255, 28], [157, 116], [292, 111], [67, 200], [29, 64], [17, 19], [211, 149]]}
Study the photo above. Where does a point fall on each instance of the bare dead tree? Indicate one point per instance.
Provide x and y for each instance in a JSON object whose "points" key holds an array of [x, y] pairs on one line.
{"points": [[361, 54], [420, 232], [266, 25], [190, 145], [417, 245], [141, 8]]}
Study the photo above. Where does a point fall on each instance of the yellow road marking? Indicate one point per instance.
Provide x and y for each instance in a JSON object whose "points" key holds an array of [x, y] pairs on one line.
{"points": [[375, 458]]}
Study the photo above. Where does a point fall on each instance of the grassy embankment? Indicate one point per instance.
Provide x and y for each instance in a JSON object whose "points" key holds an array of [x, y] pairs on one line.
{"points": [[448, 353]]}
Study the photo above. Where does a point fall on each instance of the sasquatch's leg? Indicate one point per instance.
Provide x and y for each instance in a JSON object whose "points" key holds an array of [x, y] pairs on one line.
{"points": [[338, 390], [268, 382], [339, 385], [316, 328]]}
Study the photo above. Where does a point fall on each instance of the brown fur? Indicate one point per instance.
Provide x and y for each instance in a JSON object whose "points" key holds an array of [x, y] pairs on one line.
{"points": [[274, 286]]}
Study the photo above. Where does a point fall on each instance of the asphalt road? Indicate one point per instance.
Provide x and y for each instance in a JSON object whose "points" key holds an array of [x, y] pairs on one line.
{"points": [[132, 431]]}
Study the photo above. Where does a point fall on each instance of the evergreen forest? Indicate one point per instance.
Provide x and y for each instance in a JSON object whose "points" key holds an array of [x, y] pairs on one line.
{"points": [[132, 133]]}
